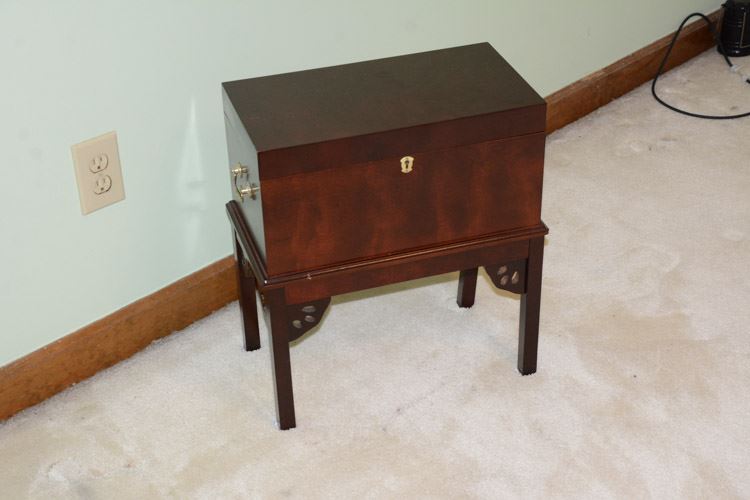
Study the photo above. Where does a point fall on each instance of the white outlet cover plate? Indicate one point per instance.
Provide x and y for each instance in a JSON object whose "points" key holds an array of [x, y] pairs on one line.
{"points": [[97, 166]]}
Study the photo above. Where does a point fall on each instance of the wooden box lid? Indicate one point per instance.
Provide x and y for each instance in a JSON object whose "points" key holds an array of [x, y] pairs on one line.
{"points": [[353, 113]]}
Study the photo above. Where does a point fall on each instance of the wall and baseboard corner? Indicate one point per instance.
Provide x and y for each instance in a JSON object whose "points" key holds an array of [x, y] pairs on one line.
{"points": [[117, 336]]}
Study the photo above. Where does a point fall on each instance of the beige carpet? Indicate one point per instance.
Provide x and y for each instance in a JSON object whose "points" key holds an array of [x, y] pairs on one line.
{"points": [[644, 375]]}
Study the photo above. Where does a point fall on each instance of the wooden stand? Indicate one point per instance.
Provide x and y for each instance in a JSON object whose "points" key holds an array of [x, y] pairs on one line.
{"points": [[295, 303]]}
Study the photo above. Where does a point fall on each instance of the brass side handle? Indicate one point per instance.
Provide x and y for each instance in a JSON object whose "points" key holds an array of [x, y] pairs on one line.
{"points": [[250, 188]]}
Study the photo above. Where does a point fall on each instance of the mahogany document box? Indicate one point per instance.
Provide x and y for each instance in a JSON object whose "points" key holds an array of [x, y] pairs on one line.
{"points": [[361, 175]]}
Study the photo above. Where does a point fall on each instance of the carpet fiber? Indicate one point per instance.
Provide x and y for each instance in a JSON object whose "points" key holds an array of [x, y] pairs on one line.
{"points": [[642, 388]]}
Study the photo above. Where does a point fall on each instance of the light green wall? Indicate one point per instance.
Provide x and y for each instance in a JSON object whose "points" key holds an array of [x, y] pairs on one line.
{"points": [[151, 71]]}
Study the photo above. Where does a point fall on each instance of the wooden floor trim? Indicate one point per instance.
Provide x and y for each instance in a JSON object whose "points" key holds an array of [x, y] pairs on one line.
{"points": [[75, 357], [599, 88]]}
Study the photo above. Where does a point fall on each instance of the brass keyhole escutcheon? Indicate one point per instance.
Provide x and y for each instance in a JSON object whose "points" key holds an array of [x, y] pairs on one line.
{"points": [[407, 163]]}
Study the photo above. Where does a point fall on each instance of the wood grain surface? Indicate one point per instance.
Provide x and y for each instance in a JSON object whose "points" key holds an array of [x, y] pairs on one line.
{"points": [[374, 209], [75, 357]]}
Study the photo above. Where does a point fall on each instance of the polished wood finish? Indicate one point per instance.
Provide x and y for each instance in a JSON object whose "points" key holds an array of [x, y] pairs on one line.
{"points": [[405, 267], [528, 329], [77, 356], [467, 287], [373, 209], [244, 238], [381, 172], [457, 133], [343, 278], [287, 297], [115, 337], [343, 115], [246, 288], [241, 151], [286, 323], [279, 324], [601, 87], [316, 137]]}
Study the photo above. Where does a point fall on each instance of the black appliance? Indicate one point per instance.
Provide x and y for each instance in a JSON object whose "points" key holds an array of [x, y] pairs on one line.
{"points": [[735, 28]]}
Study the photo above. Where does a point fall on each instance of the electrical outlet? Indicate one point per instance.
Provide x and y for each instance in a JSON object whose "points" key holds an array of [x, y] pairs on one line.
{"points": [[97, 166]]}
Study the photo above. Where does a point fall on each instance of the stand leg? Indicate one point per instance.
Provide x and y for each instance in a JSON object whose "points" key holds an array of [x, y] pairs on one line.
{"points": [[246, 289], [467, 287], [282, 370], [528, 332]]}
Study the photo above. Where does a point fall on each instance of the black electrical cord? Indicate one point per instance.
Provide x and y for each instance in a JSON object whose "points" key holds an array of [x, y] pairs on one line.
{"points": [[664, 62]]}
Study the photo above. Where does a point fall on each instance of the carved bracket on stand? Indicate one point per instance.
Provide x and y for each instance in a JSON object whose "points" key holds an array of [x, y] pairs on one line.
{"points": [[510, 276], [302, 317]]}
